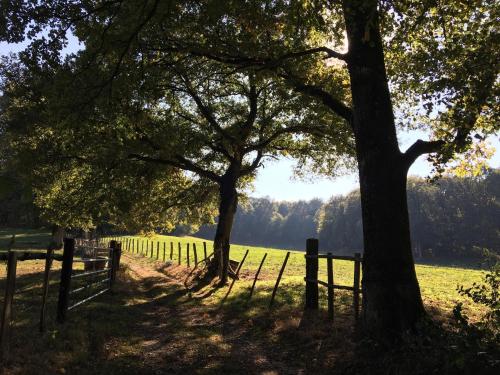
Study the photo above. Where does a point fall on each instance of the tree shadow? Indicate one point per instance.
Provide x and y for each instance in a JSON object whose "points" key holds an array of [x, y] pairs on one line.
{"points": [[150, 325]]}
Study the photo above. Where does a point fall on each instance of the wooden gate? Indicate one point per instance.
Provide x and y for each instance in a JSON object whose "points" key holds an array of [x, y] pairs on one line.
{"points": [[312, 282], [99, 274]]}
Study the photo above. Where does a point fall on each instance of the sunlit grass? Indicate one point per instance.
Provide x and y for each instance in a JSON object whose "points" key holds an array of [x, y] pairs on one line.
{"points": [[438, 283], [106, 335]]}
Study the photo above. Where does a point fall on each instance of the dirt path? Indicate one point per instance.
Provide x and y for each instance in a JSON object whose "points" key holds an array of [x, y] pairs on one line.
{"points": [[178, 334]]}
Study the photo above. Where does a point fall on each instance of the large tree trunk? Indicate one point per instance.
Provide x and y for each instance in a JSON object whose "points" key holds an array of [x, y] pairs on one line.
{"points": [[391, 296], [228, 197]]}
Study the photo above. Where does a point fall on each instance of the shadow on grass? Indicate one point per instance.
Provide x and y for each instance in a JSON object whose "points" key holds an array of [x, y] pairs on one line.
{"points": [[151, 325]]}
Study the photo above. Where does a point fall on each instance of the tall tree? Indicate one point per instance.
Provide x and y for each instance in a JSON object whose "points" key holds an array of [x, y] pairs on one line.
{"points": [[79, 175], [453, 76], [185, 113], [436, 56], [205, 118]]}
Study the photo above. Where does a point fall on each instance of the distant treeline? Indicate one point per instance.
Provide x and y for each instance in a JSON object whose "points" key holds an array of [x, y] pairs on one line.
{"points": [[452, 220]]}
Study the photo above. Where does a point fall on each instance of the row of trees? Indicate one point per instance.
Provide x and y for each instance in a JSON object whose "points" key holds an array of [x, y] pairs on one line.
{"points": [[190, 98], [454, 220]]}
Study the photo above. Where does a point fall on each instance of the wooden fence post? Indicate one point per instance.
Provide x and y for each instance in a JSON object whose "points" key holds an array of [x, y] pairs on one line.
{"points": [[312, 296], [142, 247], [257, 275], [152, 249], [279, 279], [236, 275], [164, 250], [65, 285], [10, 288], [187, 254], [171, 250], [111, 257], [118, 255], [357, 266], [205, 249], [179, 246], [195, 256], [329, 267], [157, 250], [115, 261], [45, 291]]}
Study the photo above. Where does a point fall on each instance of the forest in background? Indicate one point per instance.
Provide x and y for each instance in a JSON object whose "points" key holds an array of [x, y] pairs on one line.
{"points": [[453, 220]]}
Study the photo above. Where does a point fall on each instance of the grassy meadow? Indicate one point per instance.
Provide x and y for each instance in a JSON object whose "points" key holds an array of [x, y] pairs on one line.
{"points": [[438, 283], [152, 324]]}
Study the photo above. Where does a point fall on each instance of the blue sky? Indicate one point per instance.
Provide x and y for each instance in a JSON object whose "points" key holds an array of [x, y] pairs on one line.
{"points": [[276, 179]]}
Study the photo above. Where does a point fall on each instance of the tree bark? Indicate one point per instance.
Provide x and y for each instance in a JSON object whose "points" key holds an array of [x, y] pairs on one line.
{"points": [[57, 236], [228, 202], [391, 296]]}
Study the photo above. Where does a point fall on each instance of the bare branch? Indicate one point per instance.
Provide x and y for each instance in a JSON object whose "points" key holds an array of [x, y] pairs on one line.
{"points": [[329, 54], [204, 109], [255, 164], [291, 129]]}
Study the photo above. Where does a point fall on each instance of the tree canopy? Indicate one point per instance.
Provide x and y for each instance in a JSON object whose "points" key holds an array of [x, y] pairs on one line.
{"points": [[414, 64]]}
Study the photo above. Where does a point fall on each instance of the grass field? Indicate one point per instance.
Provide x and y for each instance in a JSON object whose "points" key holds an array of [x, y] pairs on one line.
{"points": [[152, 324], [438, 283]]}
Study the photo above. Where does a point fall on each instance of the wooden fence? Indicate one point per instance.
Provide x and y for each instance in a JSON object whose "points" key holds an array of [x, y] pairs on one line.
{"points": [[312, 282], [91, 260], [146, 248], [154, 250], [98, 262], [151, 249], [12, 257]]}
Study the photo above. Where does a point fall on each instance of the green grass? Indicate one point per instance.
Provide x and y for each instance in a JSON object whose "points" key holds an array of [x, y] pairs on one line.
{"points": [[152, 323], [25, 238], [438, 284]]}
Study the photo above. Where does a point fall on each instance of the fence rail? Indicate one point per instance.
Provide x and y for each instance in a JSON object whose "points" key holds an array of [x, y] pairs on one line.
{"points": [[312, 282], [88, 276]]}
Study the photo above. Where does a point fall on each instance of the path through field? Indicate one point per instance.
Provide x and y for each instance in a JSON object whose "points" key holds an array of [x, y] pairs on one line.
{"points": [[179, 334]]}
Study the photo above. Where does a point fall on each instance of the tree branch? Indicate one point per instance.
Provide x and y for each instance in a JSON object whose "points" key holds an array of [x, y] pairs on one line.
{"points": [[255, 164], [181, 163], [205, 110], [291, 129], [421, 147], [315, 91], [247, 61], [330, 53]]}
